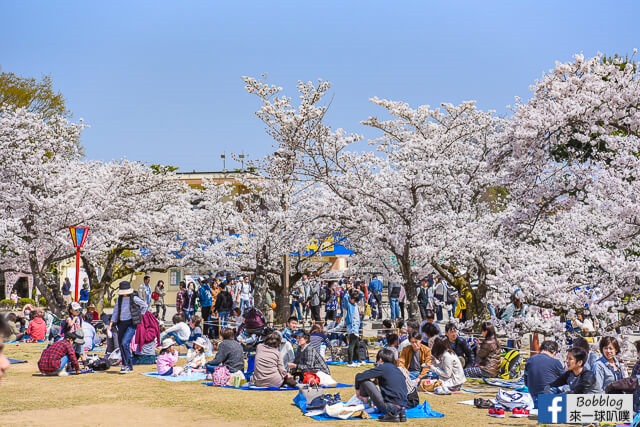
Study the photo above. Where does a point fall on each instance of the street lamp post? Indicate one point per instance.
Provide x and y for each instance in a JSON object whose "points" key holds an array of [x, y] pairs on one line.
{"points": [[78, 237], [224, 161]]}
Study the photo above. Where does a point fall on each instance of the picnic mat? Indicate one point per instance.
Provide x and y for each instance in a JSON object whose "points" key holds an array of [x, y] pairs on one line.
{"points": [[421, 411], [194, 376], [331, 362], [254, 388], [13, 361], [519, 383]]}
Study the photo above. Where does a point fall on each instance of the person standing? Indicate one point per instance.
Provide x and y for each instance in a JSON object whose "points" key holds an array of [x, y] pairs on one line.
{"points": [[394, 300], [127, 315], [375, 287], [246, 295], [180, 297], [224, 305], [206, 301], [145, 290], [314, 300], [189, 303], [352, 321], [440, 293], [160, 292], [425, 298], [66, 291], [297, 297]]}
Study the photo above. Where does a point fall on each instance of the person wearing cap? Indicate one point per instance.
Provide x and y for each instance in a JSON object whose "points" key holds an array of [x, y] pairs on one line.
{"points": [[57, 356], [168, 359], [72, 323], [4, 332], [127, 315], [95, 316], [196, 358]]}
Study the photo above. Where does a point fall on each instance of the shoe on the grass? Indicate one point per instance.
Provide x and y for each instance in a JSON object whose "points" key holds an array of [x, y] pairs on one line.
{"points": [[442, 390], [481, 403], [63, 373], [389, 418], [520, 413], [126, 370], [496, 411]]}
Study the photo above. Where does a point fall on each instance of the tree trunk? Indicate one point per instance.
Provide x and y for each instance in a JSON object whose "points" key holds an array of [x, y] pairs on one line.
{"points": [[411, 304], [51, 291]]}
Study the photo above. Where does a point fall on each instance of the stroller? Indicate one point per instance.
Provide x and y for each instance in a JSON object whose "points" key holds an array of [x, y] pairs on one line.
{"points": [[253, 330]]}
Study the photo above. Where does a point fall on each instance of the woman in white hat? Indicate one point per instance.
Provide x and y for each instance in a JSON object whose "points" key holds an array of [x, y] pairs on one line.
{"points": [[168, 359], [127, 315]]}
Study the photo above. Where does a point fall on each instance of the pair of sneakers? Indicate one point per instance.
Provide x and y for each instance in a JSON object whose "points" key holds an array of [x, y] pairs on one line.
{"points": [[126, 370], [497, 411], [442, 390], [354, 365]]}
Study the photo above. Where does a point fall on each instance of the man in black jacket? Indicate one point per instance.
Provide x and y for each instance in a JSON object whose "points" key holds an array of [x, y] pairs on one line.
{"points": [[459, 345], [391, 398], [224, 305]]}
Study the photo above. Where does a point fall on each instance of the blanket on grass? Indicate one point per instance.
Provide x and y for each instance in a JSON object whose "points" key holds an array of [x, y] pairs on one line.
{"points": [[496, 382], [421, 411], [254, 388], [14, 361], [194, 376], [331, 362]]}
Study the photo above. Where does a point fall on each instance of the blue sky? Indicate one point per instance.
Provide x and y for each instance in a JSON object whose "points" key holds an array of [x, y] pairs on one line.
{"points": [[160, 81]]}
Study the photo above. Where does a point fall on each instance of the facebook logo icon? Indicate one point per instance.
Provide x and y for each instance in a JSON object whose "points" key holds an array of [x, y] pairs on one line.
{"points": [[552, 408]]}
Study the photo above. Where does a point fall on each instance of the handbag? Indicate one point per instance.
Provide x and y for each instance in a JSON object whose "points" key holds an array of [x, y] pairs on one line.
{"points": [[311, 379], [310, 392], [323, 400], [155, 296], [623, 386]]}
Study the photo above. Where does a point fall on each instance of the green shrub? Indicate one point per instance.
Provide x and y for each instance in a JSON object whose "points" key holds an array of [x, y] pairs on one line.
{"points": [[24, 301], [42, 302], [6, 304], [107, 303]]}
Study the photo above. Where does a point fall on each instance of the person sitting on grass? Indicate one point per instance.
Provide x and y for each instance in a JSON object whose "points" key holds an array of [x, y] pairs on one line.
{"points": [[488, 357], [416, 357], [196, 358], [14, 333], [393, 343], [319, 340], [542, 369], [4, 332], [196, 329], [459, 345], [229, 353], [37, 329], [290, 328], [307, 358], [180, 331], [269, 370], [391, 398], [447, 365], [576, 379], [57, 356], [168, 359], [429, 334]]}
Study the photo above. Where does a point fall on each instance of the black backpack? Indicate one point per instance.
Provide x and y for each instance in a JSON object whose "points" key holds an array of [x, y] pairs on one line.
{"points": [[363, 351], [100, 364]]}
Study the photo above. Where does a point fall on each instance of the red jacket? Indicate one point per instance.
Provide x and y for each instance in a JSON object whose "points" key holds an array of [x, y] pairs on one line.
{"points": [[147, 331], [37, 329]]}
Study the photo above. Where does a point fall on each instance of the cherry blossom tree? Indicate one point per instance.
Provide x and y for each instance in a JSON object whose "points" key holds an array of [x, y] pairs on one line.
{"points": [[570, 236]]}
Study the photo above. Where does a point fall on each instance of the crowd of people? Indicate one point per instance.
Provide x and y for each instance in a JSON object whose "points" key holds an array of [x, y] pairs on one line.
{"points": [[218, 325]]}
